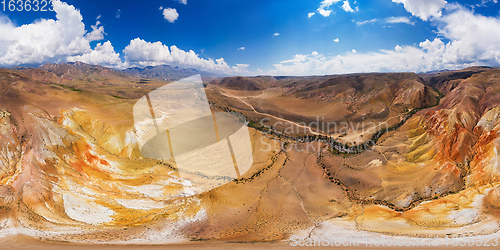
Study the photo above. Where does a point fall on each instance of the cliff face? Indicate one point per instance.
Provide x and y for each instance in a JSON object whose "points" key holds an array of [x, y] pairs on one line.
{"points": [[71, 169]]}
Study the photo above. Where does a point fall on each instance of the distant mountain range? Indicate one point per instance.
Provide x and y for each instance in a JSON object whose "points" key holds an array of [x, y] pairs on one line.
{"points": [[128, 83], [169, 73], [161, 72]]}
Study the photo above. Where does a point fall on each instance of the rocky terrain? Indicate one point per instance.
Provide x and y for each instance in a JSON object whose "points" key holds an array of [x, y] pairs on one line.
{"points": [[348, 108], [72, 171]]}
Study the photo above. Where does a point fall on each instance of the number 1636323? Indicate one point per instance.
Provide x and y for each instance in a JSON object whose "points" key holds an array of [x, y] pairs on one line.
{"points": [[26, 5]]}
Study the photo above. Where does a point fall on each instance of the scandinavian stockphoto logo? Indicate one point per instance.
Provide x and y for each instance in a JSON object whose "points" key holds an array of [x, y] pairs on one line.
{"points": [[208, 148]]}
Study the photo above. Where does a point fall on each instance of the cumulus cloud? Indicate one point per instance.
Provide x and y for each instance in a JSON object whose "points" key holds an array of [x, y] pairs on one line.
{"points": [[183, 1], [324, 12], [408, 59], [141, 53], [464, 39], [347, 7], [324, 7], [311, 14], [423, 9], [296, 60], [103, 54], [241, 48], [240, 68], [471, 37], [276, 34], [47, 40], [97, 32], [336, 40], [170, 14]]}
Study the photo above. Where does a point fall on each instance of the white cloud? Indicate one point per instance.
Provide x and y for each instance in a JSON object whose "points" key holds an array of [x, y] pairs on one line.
{"points": [[423, 9], [354, 51], [359, 23], [141, 53], [383, 61], [183, 1], [347, 7], [103, 54], [324, 12], [471, 42], [97, 32], [391, 20], [471, 37], [170, 14], [336, 40], [324, 7], [276, 34], [297, 59], [118, 13], [399, 19], [47, 40], [241, 48], [240, 68], [314, 53]]}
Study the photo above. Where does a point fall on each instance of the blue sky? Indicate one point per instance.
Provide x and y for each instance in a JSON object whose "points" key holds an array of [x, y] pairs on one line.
{"points": [[293, 37]]}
